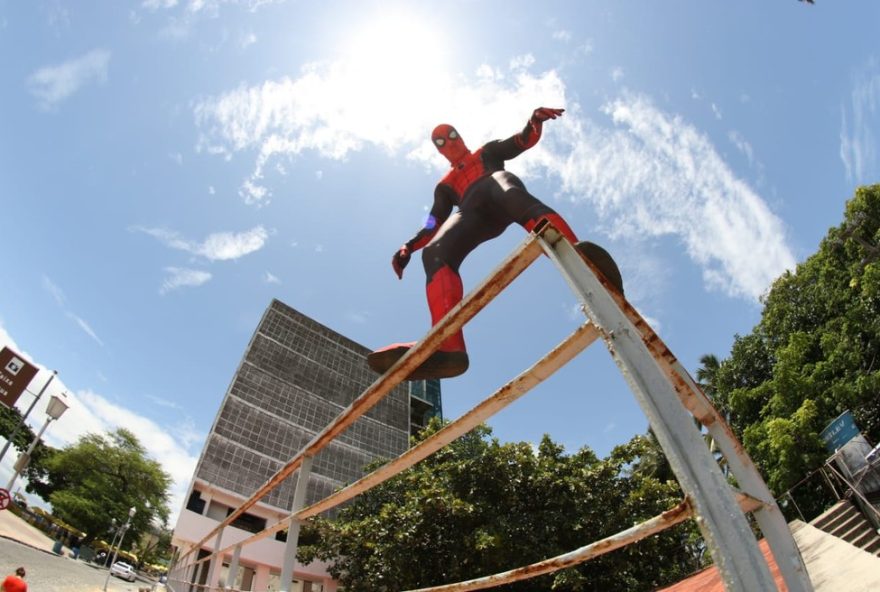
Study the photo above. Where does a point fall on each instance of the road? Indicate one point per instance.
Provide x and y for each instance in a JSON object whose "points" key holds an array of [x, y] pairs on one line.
{"points": [[47, 572]]}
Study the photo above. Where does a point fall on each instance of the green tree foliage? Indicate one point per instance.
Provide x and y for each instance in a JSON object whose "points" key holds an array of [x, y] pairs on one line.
{"points": [[479, 507], [154, 546], [814, 354], [9, 418], [36, 469], [97, 479]]}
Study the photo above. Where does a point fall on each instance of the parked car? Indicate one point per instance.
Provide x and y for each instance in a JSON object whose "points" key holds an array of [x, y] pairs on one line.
{"points": [[121, 569]]}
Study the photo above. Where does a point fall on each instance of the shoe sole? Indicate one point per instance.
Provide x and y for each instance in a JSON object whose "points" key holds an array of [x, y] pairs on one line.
{"points": [[604, 261], [438, 365]]}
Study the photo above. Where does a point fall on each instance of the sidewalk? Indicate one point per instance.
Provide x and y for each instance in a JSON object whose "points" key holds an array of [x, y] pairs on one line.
{"points": [[14, 528]]}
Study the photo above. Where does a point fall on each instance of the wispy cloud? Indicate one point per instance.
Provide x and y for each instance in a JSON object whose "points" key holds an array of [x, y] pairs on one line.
{"points": [[656, 175], [58, 295], [52, 84], [271, 279], [184, 15], [562, 35], [648, 173], [54, 290], [357, 317], [742, 145], [859, 122], [218, 246], [87, 329], [208, 6], [179, 277]]}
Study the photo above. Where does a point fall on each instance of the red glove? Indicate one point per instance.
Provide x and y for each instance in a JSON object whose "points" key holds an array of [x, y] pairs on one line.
{"points": [[542, 114], [400, 260]]}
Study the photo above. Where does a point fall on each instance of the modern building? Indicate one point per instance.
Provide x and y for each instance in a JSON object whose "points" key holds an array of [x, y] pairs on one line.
{"points": [[295, 377]]}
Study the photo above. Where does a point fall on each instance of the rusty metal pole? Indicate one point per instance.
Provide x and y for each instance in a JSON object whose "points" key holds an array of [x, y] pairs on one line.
{"points": [[724, 527]]}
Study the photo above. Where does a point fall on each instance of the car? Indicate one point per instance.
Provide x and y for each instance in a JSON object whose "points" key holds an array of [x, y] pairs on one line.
{"points": [[121, 569]]}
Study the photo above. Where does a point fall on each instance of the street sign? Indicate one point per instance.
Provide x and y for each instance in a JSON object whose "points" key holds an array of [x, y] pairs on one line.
{"points": [[4, 499], [839, 432], [15, 375]]}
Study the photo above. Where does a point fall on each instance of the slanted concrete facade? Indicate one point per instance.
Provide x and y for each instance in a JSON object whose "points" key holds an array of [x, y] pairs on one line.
{"points": [[295, 377]]}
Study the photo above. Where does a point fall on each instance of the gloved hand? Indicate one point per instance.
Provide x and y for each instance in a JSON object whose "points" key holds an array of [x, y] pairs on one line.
{"points": [[542, 114], [400, 260]]}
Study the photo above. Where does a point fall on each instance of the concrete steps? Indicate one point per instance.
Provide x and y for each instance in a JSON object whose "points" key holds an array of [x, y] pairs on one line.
{"points": [[846, 522]]}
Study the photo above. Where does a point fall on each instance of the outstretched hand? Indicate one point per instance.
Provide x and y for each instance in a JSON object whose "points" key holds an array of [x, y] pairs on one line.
{"points": [[400, 260], [542, 114]]}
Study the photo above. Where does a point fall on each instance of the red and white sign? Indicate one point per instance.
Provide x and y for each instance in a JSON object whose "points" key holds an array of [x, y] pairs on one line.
{"points": [[15, 375]]}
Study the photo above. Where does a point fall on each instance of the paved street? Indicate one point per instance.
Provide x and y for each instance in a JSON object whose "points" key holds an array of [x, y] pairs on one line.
{"points": [[23, 545], [47, 572]]}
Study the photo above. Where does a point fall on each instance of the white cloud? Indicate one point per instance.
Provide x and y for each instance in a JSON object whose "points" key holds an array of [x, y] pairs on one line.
{"points": [[648, 173], [271, 279], [58, 295], [859, 122], [87, 329], [562, 35], [315, 113], [742, 145], [184, 15], [357, 317], [218, 246], [522, 62], [181, 277], [53, 84], [656, 175], [246, 40], [617, 74], [90, 413], [54, 290], [209, 6]]}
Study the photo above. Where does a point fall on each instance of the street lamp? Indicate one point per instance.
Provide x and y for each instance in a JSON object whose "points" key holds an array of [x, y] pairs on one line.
{"points": [[125, 526], [56, 408]]}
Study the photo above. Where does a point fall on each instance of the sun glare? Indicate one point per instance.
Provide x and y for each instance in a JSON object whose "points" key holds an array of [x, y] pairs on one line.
{"points": [[398, 66]]}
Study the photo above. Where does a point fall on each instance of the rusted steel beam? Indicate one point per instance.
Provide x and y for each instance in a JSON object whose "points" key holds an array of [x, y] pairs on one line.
{"points": [[667, 519], [464, 311], [583, 337]]}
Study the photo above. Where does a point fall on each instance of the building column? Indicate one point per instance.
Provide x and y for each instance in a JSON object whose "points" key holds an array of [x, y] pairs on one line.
{"points": [[261, 577]]}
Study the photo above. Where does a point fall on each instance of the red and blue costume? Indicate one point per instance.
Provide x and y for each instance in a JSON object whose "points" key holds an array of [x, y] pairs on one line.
{"points": [[489, 199]]}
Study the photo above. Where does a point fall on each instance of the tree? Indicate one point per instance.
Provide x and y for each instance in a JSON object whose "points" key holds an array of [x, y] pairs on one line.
{"points": [[97, 479], [814, 354], [479, 507], [36, 469], [154, 546]]}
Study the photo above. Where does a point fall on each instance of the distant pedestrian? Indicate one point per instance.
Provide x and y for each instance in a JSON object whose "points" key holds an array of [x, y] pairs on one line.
{"points": [[75, 542], [14, 583]]}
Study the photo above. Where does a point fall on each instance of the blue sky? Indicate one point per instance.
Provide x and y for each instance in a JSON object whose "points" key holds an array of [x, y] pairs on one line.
{"points": [[168, 167]]}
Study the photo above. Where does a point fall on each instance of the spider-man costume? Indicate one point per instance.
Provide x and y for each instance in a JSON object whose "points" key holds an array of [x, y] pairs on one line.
{"points": [[489, 199]]}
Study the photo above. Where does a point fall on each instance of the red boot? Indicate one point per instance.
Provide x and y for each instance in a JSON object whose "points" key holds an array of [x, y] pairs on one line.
{"points": [[445, 290]]}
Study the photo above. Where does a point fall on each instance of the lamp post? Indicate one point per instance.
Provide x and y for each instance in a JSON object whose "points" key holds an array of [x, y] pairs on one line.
{"points": [[125, 526], [56, 408], [26, 413]]}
